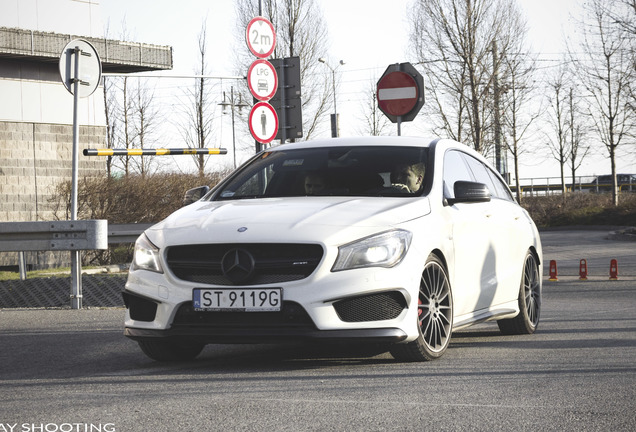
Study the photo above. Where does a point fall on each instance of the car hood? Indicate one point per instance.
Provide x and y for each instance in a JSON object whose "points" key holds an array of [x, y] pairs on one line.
{"points": [[301, 219]]}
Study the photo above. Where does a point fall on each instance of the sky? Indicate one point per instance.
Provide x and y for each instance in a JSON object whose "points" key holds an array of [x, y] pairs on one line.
{"points": [[368, 35]]}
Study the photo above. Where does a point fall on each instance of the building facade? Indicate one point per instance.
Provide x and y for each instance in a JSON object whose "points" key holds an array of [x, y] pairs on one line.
{"points": [[36, 110]]}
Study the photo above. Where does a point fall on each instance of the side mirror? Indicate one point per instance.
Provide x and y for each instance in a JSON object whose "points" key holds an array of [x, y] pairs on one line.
{"points": [[195, 194], [469, 192]]}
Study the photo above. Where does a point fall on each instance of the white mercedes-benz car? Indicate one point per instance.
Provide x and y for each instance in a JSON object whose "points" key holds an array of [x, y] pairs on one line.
{"points": [[386, 241]]}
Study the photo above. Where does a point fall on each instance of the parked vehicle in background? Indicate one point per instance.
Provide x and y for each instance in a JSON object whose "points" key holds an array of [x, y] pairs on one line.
{"points": [[625, 182], [388, 241]]}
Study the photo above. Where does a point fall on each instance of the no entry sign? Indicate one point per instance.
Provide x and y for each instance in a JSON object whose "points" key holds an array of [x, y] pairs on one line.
{"points": [[397, 93], [400, 92]]}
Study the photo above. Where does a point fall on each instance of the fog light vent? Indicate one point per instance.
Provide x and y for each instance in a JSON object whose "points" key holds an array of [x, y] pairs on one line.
{"points": [[372, 307], [140, 309]]}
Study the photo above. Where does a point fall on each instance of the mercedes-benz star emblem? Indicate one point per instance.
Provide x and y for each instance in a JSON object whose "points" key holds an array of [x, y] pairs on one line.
{"points": [[237, 265]]}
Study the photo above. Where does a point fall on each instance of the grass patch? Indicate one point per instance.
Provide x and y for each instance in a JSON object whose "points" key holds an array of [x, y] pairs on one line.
{"points": [[46, 273]]}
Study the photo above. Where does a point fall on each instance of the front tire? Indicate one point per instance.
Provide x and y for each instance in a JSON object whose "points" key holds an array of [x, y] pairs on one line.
{"points": [[166, 350], [529, 301], [435, 316]]}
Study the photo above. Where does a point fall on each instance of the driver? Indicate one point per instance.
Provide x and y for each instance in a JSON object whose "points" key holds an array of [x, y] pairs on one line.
{"points": [[408, 178]]}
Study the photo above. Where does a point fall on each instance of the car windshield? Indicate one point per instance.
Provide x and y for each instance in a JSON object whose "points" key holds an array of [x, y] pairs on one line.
{"points": [[331, 171]]}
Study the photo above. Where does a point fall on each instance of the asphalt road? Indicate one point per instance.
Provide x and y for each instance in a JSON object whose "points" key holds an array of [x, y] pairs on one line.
{"points": [[64, 370]]}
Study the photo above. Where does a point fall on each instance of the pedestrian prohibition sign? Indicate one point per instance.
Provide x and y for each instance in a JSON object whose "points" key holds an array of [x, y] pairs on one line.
{"points": [[263, 122]]}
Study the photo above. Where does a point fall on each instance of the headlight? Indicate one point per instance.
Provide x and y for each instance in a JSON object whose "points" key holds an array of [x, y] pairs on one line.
{"points": [[146, 256], [381, 250]]}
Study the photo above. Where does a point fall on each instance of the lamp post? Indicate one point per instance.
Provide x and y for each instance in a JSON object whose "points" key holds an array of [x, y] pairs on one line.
{"points": [[334, 116], [232, 105]]}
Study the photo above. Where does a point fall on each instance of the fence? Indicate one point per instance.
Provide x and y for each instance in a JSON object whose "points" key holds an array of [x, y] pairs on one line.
{"points": [[553, 185]]}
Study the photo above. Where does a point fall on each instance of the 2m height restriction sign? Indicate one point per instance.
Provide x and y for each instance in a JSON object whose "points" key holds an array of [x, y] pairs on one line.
{"points": [[261, 37]]}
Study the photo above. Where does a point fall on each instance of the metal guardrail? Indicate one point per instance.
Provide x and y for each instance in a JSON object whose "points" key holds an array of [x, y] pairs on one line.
{"points": [[74, 235], [126, 233], [53, 236]]}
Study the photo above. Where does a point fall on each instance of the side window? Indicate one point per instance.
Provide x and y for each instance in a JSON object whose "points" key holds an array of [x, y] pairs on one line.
{"points": [[455, 169], [502, 189], [481, 174]]}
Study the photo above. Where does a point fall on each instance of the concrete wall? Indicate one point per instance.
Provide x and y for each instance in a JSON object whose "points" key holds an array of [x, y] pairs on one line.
{"points": [[34, 159]]}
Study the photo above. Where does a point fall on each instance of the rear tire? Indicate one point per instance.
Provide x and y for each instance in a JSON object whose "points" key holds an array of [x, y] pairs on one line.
{"points": [[435, 316], [166, 350], [529, 301]]}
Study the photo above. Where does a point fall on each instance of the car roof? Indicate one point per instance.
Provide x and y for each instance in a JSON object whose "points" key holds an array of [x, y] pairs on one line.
{"points": [[428, 142], [359, 141]]}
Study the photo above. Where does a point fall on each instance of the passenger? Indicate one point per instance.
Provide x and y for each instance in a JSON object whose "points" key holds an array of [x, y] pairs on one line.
{"points": [[408, 178], [314, 184]]}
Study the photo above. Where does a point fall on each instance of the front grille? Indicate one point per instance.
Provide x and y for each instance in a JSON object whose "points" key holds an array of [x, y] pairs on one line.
{"points": [[372, 307], [291, 315], [273, 263]]}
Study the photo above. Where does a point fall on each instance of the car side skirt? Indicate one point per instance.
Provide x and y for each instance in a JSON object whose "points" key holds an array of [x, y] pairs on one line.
{"points": [[508, 310]]}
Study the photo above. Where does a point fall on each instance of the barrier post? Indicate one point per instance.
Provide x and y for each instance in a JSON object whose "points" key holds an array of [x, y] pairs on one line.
{"points": [[583, 270], [613, 269], [553, 271]]}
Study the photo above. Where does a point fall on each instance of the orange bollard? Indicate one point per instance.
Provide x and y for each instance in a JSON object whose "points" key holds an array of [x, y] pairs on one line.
{"points": [[553, 271], [613, 270], [583, 270]]}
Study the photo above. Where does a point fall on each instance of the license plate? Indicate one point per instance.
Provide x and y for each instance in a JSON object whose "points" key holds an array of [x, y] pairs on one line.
{"points": [[237, 300]]}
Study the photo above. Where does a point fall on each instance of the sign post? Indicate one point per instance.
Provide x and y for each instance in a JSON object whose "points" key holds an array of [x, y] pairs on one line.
{"points": [[81, 71], [400, 93], [262, 80]]}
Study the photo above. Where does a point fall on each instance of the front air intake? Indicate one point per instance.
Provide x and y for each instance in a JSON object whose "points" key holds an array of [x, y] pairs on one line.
{"points": [[372, 307]]}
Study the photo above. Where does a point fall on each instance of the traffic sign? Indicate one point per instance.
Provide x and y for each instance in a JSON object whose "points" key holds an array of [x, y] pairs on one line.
{"points": [[261, 37], [262, 80], [79, 61], [263, 122], [400, 92]]}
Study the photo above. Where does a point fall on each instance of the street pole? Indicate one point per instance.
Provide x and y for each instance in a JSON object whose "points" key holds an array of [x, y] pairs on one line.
{"points": [[335, 127], [76, 264]]}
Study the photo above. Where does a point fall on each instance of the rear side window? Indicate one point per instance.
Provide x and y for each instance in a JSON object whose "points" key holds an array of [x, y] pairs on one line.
{"points": [[455, 169], [484, 175], [461, 166]]}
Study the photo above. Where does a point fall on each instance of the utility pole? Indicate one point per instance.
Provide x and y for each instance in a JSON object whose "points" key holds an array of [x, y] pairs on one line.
{"points": [[495, 86]]}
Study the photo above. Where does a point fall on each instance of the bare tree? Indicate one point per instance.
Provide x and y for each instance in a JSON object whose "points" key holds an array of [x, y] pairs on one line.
{"points": [[126, 138], [452, 40], [519, 111], [199, 109], [557, 137], [110, 114], [301, 31], [606, 69], [578, 149], [375, 122], [145, 120]]}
